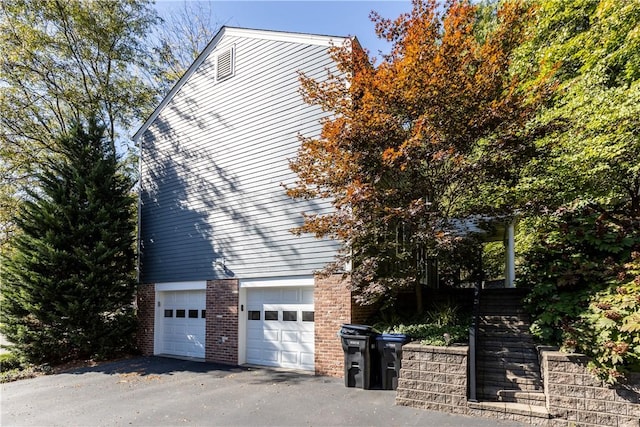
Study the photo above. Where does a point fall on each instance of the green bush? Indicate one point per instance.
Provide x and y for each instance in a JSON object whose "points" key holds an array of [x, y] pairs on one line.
{"points": [[9, 361], [609, 330], [443, 325], [584, 270], [13, 368], [576, 252]]}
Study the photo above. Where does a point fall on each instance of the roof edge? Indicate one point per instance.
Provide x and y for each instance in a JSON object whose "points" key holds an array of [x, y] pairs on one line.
{"points": [[314, 39]]}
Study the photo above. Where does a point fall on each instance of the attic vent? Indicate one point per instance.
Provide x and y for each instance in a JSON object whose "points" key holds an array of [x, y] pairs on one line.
{"points": [[224, 65]]}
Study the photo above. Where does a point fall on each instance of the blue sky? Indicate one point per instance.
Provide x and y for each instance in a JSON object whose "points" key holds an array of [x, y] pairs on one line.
{"points": [[336, 18]]}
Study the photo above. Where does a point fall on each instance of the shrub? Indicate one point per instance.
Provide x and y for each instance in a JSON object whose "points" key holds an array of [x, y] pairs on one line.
{"points": [[577, 251], [441, 326], [9, 361], [584, 271], [13, 368], [609, 330]]}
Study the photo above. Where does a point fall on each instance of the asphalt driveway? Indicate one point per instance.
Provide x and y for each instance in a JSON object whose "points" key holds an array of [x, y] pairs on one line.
{"points": [[155, 391]]}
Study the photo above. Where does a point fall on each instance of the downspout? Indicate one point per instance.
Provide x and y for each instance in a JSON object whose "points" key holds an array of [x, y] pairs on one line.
{"points": [[138, 231]]}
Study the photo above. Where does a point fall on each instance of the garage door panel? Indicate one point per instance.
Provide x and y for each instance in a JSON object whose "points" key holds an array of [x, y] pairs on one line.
{"points": [[290, 357], [253, 354], [307, 337], [290, 336], [255, 335], [307, 359], [270, 356], [271, 335]]}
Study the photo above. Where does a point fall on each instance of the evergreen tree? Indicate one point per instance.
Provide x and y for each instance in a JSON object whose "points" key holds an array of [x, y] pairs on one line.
{"points": [[68, 281]]}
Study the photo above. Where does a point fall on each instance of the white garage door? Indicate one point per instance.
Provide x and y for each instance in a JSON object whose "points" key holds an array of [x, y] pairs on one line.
{"points": [[182, 323], [280, 328]]}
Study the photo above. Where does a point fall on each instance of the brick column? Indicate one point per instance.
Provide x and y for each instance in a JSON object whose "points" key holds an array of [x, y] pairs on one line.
{"points": [[222, 322], [333, 307], [146, 302]]}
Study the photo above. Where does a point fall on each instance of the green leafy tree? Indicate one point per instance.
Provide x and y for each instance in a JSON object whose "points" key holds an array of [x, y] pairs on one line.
{"points": [[593, 150], [62, 61], [583, 182], [68, 281], [578, 251]]}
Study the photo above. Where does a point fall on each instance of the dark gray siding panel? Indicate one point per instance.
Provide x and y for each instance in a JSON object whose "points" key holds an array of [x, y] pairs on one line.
{"points": [[213, 165]]}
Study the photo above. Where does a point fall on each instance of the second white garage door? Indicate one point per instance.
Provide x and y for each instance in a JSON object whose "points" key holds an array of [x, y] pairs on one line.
{"points": [[280, 327]]}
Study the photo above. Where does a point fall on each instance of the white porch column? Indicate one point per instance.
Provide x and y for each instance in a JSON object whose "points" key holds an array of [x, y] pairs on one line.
{"points": [[510, 254]]}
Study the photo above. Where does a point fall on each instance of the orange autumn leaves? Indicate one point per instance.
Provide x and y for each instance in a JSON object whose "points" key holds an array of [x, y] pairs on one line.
{"points": [[411, 138]]}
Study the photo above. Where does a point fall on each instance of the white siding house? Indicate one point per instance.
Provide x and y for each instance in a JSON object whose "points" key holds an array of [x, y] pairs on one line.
{"points": [[214, 157]]}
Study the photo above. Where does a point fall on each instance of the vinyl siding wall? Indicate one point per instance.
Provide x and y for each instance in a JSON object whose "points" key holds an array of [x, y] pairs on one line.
{"points": [[213, 163]]}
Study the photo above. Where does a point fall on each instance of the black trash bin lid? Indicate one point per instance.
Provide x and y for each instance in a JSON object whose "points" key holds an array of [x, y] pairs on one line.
{"points": [[393, 338], [349, 329]]}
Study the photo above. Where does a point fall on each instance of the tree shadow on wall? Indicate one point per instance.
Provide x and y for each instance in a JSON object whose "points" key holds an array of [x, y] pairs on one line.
{"points": [[196, 214], [176, 236]]}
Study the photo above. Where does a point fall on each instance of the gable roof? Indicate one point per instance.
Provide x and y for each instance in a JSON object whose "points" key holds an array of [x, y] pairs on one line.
{"points": [[312, 39]]}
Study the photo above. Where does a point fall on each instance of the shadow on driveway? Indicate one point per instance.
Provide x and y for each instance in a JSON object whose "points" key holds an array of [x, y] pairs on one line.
{"points": [[156, 366], [145, 366], [162, 391]]}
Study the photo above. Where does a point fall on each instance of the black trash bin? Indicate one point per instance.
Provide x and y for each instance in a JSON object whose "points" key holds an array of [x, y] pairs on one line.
{"points": [[360, 356], [390, 354]]}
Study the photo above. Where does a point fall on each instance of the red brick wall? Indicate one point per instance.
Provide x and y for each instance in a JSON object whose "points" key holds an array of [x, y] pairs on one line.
{"points": [[222, 322], [362, 314], [146, 302], [333, 306]]}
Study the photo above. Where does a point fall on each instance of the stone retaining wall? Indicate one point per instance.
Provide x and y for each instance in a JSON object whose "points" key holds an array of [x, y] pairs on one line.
{"points": [[435, 378], [575, 397]]}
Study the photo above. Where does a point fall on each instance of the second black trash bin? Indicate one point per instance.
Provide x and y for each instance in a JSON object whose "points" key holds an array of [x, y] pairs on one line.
{"points": [[390, 354], [360, 356]]}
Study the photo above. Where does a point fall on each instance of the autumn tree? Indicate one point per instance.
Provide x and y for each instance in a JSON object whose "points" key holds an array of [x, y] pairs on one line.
{"points": [[414, 141]]}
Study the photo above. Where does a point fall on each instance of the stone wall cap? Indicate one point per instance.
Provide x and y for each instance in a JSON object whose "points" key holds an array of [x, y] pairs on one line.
{"points": [[452, 349], [562, 356]]}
